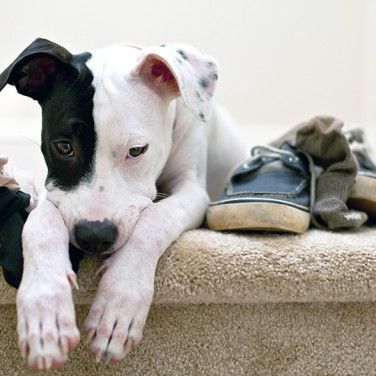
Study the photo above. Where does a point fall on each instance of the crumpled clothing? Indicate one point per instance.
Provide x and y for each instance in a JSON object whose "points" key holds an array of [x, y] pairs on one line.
{"points": [[323, 139], [18, 197], [12, 218], [16, 179]]}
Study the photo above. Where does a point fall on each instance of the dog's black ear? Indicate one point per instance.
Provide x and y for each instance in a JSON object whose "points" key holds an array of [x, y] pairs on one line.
{"points": [[38, 68]]}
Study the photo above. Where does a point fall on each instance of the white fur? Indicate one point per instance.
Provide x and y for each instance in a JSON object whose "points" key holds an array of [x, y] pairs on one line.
{"points": [[183, 151]]}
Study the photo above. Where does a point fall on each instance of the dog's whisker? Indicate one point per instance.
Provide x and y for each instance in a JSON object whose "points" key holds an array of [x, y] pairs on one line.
{"points": [[32, 141]]}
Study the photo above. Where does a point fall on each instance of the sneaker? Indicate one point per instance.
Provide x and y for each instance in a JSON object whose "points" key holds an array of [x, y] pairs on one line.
{"points": [[363, 195], [272, 191]]}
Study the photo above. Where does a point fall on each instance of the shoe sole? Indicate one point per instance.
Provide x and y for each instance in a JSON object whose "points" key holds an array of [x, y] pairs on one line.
{"points": [[363, 195], [258, 215]]}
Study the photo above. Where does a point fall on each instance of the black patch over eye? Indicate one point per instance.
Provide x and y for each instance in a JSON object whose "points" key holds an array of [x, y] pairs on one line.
{"points": [[137, 150], [64, 148]]}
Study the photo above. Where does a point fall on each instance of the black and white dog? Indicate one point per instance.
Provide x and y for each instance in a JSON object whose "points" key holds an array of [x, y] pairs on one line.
{"points": [[120, 125]]}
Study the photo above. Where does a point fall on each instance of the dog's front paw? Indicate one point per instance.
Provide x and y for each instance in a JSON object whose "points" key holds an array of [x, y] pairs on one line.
{"points": [[46, 319], [118, 314]]}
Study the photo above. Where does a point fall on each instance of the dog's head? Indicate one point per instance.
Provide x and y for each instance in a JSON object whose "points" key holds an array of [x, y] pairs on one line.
{"points": [[107, 122]]}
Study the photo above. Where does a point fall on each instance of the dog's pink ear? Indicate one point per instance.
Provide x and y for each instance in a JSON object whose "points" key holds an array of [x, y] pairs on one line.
{"points": [[177, 69], [37, 69], [157, 70]]}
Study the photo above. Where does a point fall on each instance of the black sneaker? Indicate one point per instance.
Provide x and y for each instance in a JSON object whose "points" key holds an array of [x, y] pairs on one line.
{"points": [[363, 195], [270, 192]]}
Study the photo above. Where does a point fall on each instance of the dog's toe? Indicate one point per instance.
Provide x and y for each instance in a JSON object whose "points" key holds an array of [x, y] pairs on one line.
{"points": [[52, 359], [114, 337], [46, 323], [45, 350], [118, 315]]}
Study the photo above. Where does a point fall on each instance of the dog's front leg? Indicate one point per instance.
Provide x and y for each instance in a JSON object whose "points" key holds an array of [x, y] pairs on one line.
{"points": [[46, 318], [119, 311]]}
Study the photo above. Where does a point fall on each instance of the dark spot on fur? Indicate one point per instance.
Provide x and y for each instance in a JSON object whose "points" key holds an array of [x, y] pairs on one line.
{"points": [[198, 95], [214, 76], [202, 116], [204, 83], [210, 63], [162, 45], [101, 188], [183, 54]]}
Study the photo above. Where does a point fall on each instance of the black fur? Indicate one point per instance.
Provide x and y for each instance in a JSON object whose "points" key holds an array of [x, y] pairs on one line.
{"points": [[67, 115], [62, 84]]}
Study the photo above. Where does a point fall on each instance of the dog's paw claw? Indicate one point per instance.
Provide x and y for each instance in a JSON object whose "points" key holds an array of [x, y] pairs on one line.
{"points": [[103, 268], [107, 357], [73, 280], [48, 363], [24, 349], [98, 356], [40, 364], [64, 344], [129, 345], [90, 335]]}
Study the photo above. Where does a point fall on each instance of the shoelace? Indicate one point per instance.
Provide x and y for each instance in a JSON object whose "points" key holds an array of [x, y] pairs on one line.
{"points": [[261, 151]]}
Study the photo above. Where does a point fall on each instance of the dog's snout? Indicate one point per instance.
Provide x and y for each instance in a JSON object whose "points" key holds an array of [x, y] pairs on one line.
{"points": [[95, 236]]}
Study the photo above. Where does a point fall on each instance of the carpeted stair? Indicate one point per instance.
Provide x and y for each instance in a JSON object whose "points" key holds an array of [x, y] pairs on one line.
{"points": [[240, 304]]}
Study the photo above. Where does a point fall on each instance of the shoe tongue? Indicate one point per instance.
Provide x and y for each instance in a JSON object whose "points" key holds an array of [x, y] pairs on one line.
{"points": [[269, 164], [262, 168], [273, 166]]}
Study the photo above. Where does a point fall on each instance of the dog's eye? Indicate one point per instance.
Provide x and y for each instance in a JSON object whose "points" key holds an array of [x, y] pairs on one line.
{"points": [[137, 150], [64, 148]]}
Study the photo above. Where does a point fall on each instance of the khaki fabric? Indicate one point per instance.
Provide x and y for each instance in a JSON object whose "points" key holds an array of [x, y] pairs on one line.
{"points": [[323, 139]]}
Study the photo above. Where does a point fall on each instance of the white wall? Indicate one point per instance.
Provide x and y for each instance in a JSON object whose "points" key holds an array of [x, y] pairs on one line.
{"points": [[367, 110], [281, 61]]}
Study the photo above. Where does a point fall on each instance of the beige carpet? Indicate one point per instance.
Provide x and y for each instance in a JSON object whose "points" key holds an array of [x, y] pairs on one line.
{"points": [[236, 304]]}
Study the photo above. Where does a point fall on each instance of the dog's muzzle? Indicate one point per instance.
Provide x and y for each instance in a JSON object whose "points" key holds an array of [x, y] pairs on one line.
{"points": [[95, 236]]}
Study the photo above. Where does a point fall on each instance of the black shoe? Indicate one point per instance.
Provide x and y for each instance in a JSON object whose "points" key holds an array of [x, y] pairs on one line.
{"points": [[270, 192], [363, 195]]}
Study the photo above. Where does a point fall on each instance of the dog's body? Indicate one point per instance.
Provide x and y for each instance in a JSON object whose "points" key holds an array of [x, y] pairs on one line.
{"points": [[115, 134]]}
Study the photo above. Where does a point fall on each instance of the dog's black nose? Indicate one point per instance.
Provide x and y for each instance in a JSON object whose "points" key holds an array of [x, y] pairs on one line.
{"points": [[95, 236]]}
